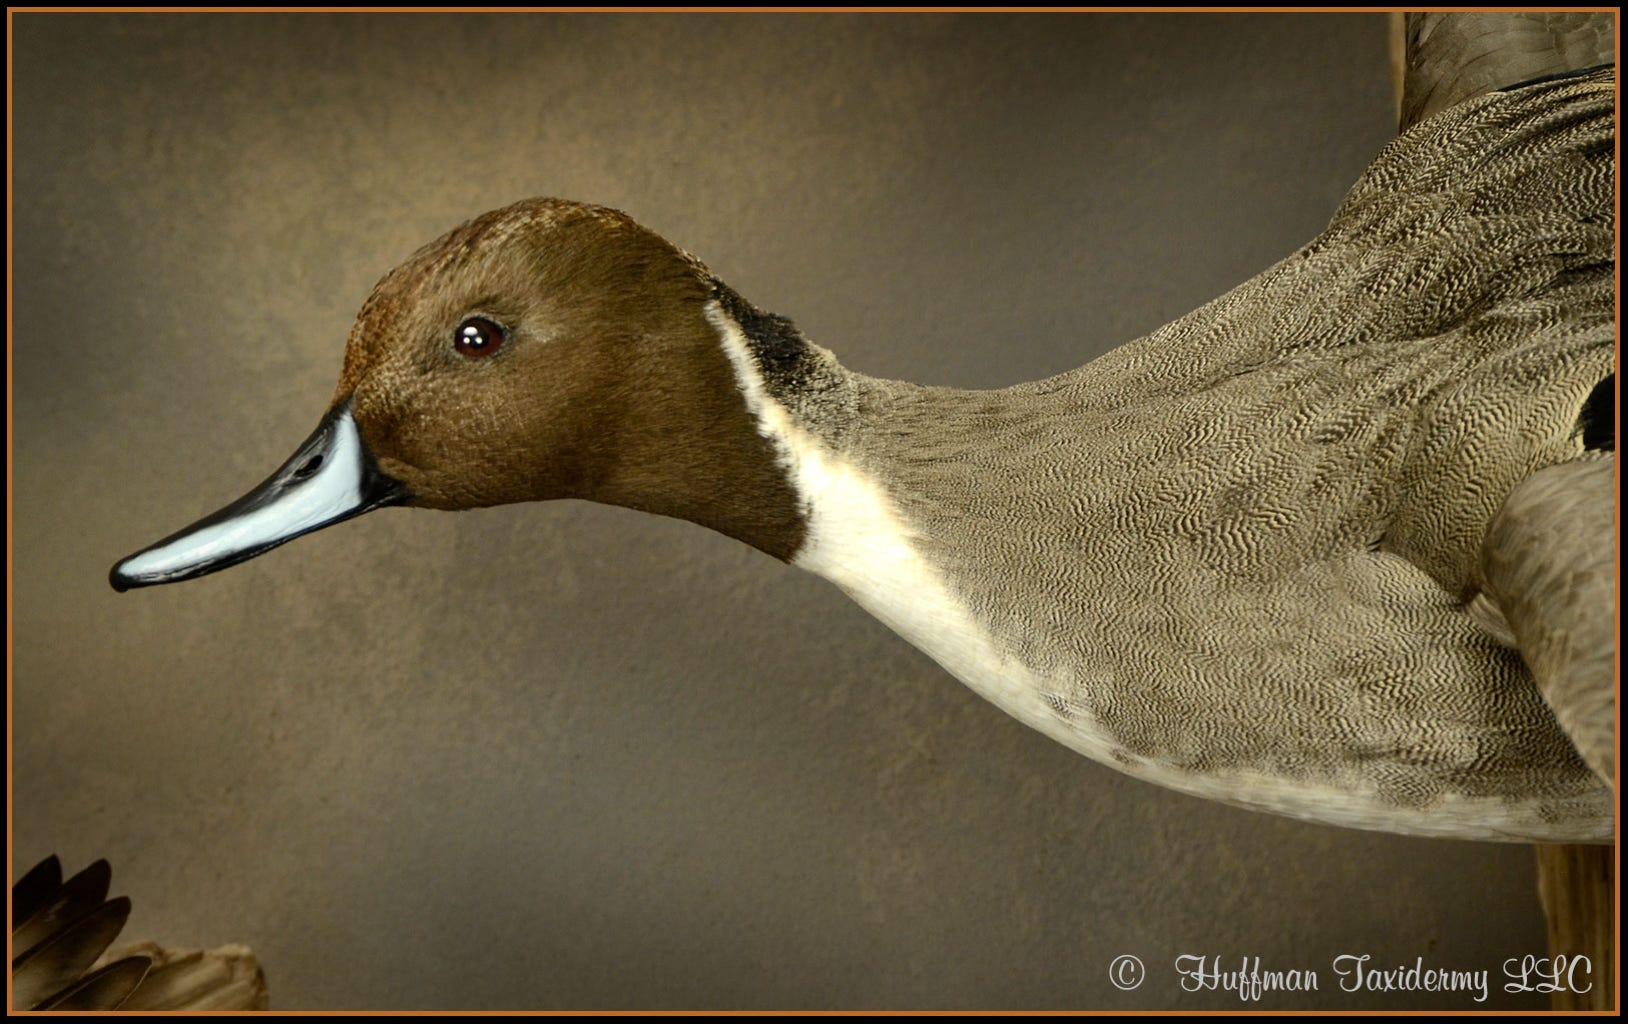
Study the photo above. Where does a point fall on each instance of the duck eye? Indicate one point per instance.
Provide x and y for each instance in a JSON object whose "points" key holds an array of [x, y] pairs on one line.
{"points": [[477, 337]]}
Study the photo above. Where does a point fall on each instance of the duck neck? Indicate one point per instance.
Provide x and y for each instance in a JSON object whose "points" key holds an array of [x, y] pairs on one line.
{"points": [[796, 392], [720, 456]]}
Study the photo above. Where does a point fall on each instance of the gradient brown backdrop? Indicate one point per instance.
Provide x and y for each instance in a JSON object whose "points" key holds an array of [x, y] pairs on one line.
{"points": [[570, 756]]}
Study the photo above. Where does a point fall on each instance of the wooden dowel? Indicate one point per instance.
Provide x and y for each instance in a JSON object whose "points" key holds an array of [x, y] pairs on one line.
{"points": [[1577, 887]]}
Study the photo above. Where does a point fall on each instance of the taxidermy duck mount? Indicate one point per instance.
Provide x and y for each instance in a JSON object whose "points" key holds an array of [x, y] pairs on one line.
{"points": [[1336, 545]]}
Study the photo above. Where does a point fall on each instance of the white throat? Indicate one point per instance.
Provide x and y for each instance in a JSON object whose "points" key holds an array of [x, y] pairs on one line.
{"points": [[857, 539]]}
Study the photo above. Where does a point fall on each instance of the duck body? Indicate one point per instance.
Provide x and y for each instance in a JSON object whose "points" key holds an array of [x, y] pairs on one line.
{"points": [[1238, 557], [1235, 557]]}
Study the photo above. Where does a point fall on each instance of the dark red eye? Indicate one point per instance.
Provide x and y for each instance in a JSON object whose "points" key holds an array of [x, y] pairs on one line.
{"points": [[477, 337]]}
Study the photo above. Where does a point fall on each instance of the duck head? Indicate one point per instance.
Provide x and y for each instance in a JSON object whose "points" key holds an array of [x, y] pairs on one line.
{"points": [[545, 350]]}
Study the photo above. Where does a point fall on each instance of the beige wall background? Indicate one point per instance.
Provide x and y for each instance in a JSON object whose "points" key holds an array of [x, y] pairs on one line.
{"points": [[570, 756]]}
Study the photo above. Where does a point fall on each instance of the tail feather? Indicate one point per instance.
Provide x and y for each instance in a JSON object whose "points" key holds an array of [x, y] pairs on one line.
{"points": [[62, 929], [35, 889], [228, 978], [60, 908], [61, 960], [103, 989]]}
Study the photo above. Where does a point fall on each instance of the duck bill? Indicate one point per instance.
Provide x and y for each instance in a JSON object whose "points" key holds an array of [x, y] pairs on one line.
{"points": [[331, 477]]}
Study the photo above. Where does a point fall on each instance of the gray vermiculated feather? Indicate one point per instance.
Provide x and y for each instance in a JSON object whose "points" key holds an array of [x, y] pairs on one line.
{"points": [[1243, 546], [53, 965], [1454, 56], [1548, 563]]}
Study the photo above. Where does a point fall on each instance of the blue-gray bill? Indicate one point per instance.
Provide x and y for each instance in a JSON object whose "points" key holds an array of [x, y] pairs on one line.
{"points": [[330, 478]]}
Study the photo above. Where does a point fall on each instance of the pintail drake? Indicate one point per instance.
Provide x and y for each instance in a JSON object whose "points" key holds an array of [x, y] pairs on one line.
{"points": [[1336, 545]]}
